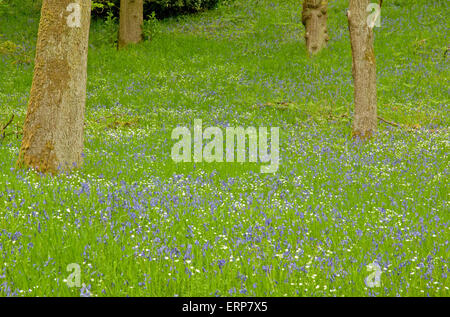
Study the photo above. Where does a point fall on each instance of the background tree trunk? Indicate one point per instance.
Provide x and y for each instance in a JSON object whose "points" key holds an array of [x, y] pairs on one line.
{"points": [[54, 125], [131, 20], [314, 18], [364, 70]]}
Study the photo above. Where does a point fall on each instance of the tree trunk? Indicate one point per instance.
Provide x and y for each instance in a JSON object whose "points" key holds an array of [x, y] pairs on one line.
{"points": [[131, 21], [314, 18], [54, 125], [364, 70]]}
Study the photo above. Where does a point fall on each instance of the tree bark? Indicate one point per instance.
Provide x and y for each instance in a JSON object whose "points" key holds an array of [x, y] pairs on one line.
{"points": [[54, 125], [314, 18], [131, 21], [363, 69]]}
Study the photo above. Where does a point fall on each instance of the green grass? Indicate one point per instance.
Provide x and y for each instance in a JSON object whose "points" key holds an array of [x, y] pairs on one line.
{"points": [[130, 214]]}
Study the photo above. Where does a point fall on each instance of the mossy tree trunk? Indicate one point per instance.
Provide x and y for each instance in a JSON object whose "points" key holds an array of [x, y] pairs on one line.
{"points": [[54, 125], [131, 21], [314, 18], [363, 69]]}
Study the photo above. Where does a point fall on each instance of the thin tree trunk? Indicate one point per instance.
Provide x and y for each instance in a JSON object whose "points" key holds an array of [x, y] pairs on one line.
{"points": [[364, 70], [54, 125], [131, 20], [314, 18]]}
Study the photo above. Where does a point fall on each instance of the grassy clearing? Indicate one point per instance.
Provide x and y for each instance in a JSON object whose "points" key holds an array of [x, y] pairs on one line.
{"points": [[139, 224]]}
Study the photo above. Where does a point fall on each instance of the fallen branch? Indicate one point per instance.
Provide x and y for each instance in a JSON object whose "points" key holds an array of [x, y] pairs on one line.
{"points": [[2, 133], [389, 122], [332, 117], [282, 105]]}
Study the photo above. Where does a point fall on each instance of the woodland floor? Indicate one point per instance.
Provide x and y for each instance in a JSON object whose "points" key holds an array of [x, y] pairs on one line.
{"points": [[139, 224]]}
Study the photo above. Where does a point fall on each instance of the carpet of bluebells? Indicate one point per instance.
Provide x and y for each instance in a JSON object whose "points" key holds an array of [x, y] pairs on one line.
{"points": [[138, 224]]}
